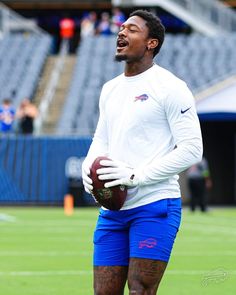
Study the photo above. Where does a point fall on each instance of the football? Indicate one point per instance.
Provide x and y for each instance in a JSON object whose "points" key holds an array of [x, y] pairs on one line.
{"points": [[111, 198]]}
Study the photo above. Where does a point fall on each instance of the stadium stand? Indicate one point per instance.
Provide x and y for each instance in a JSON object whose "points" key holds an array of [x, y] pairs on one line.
{"points": [[199, 60], [22, 57], [81, 108]]}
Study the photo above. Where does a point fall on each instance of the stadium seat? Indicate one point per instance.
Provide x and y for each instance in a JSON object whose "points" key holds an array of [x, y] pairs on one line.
{"points": [[198, 60], [22, 57]]}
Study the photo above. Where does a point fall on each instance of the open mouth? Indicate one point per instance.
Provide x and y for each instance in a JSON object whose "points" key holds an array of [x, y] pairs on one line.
{"points": [[121, 44]]}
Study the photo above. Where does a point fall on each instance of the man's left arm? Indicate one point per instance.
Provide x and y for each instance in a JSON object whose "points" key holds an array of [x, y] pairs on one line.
{"points": [[185, 128]]}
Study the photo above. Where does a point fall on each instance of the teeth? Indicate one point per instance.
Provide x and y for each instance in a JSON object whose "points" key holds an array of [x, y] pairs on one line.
{"points": [[121, 43]]}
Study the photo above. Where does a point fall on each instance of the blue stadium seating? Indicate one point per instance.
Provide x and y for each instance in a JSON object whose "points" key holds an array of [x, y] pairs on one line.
{"points": [[199, 60], [22, 57]]}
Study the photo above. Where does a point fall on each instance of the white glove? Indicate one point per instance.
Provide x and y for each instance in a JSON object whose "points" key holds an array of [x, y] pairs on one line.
{"points": [[87, 181], [119, 173]]}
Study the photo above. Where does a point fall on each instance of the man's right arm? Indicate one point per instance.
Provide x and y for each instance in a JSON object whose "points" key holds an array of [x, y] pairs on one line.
{"points": [[99, 146]]}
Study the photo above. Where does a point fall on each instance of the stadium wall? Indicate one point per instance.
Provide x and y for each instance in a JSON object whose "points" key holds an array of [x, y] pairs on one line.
{"points": [[32, 169]]}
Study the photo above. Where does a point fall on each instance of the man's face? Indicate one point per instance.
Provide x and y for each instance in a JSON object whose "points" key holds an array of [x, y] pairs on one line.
{"points": [[132, 40]]}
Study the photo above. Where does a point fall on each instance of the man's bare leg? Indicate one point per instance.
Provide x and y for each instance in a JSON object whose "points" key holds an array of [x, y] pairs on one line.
{"points": [[145, 275], [110, 280]]}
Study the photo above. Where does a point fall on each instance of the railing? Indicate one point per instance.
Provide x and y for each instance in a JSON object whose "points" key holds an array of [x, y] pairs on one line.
{"points": [[212, 11], [11, 21], [51, 87]]}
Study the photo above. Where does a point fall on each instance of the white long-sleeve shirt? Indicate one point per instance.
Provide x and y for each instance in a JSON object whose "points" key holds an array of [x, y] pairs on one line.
{"points": [[149, 121]]}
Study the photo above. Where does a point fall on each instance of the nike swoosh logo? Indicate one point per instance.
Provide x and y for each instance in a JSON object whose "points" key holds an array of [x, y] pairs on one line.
{"points": [[184, 111]]}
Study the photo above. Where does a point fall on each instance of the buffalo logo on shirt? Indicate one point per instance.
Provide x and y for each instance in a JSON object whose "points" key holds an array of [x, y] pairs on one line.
{"points": [[141, 97]]}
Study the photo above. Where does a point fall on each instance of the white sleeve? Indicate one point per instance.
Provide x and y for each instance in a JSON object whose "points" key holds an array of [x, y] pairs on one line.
{"points": [[99, 146], [184, 125]]}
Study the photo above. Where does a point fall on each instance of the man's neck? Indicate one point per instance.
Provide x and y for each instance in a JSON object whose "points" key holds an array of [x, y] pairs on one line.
{"points": [[135, 68]]}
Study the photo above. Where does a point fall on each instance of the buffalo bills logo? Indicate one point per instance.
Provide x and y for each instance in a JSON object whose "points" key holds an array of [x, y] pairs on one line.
{"points": [[142, 97], [148, 243]]}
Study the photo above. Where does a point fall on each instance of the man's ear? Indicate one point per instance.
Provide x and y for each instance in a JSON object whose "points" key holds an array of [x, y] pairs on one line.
{"points": [[152, 43]]}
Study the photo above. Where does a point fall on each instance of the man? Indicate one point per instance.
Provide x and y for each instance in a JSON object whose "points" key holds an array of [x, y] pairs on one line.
{"points": [[199, 182], [26, 115], [148, 126], [67, 31]]}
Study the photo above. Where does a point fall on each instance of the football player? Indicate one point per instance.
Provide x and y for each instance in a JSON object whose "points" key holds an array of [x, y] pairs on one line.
{"points": [[149, 128]]}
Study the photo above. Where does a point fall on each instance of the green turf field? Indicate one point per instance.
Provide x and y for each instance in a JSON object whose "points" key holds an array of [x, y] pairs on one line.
{"points": [[43, 252]]}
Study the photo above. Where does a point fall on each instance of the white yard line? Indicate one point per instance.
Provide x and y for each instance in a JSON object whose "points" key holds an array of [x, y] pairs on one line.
{"points": [[45, 253], [88, 272], [89, 253], [209, 229], [211, 224], [46, 273], [59, 238], [205, 254]]}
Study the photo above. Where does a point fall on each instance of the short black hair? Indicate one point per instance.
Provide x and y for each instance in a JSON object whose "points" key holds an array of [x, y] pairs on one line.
{"points": [[7, 101], [155, 26]]}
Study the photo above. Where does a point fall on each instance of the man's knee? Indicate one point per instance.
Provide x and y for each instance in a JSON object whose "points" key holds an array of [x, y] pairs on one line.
{"points": [[99, 291], [109, 280], [145, 275], [105, 291], [140, 288]]}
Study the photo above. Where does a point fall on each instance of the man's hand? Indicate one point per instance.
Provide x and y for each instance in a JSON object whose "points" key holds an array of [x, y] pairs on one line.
{"points": [[117, 173], [87, 181]]}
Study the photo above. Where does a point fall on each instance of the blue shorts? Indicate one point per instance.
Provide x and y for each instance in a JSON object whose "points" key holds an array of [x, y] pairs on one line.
{"points": [[147, 231]]}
